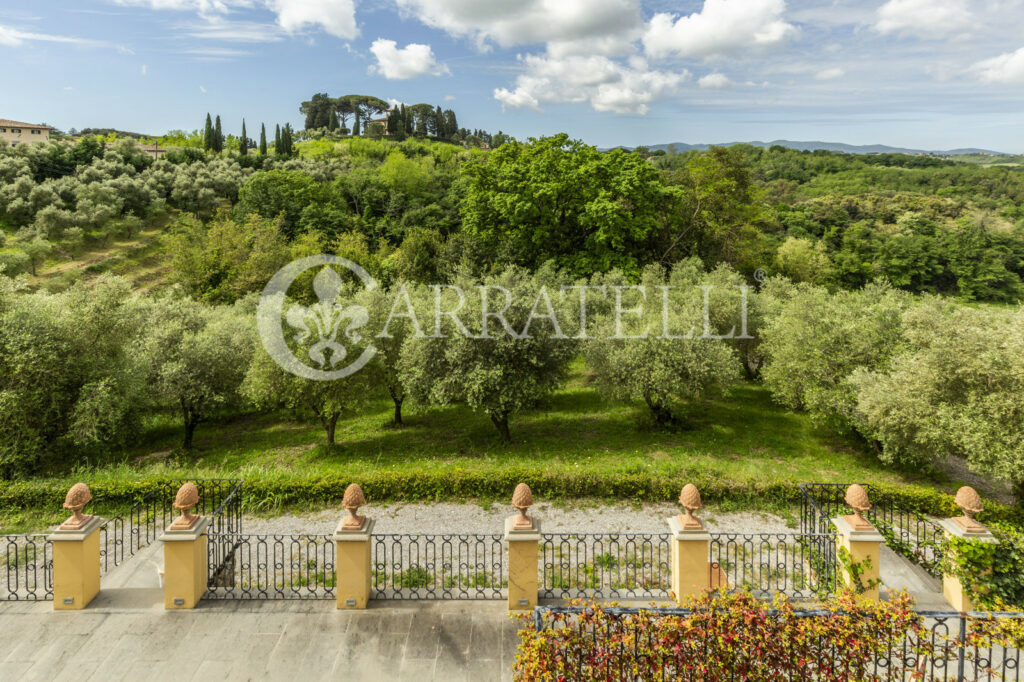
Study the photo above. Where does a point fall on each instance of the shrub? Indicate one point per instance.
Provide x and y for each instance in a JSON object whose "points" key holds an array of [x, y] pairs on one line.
{"points": [[726, 636]]}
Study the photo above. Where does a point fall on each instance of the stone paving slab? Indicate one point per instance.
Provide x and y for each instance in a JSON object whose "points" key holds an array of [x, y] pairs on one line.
{"points": [[265, 640]]}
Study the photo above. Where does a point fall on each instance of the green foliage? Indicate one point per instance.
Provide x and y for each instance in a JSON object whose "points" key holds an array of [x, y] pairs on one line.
{"points": [[499, 363], [660, 351], [559, 199], [955, 390], [991, 573]]}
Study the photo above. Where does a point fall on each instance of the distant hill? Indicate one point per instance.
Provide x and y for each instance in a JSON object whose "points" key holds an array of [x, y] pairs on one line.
{"points": [[828, 146]]}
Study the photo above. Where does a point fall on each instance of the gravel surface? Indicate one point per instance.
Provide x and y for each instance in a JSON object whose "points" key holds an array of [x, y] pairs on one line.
{"points": [[439, 517]]}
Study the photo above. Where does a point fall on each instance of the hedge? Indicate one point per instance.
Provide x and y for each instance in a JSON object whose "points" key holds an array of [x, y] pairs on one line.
{"points": [[275, 489]]}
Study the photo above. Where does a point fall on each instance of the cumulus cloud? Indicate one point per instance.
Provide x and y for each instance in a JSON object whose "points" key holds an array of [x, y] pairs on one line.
{"points": [[1006, 69], [715, 81], [409, 62], [605, 84], [614, 23], [336, 17], [721, 27], [924, 18], [829, 74]]}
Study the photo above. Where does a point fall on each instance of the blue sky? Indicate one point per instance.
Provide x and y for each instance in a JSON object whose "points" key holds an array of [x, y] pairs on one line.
{"points": [[933, 74]]}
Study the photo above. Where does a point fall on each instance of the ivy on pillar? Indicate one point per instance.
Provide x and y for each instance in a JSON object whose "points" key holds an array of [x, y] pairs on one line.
{"points": [[352, 539], [522, 535], [185, 557], [691, 567], [860, 546], [76, 553], [963, 528]]}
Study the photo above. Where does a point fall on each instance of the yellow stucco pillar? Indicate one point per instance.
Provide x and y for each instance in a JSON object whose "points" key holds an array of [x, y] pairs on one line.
{"points": [[352, 565], [76, 565], [691, 567], [952, 589], [185, 565], [865, 549], [523, 548]]}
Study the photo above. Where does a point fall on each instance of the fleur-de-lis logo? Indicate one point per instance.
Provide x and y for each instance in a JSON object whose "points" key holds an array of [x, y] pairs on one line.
{"points": [[325, 317], [321, 329]]}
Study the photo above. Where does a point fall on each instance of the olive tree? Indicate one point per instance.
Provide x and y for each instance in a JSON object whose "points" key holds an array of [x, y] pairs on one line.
{"points": [[956, 391], [651, 341], [498, 363], [815, 340], [197, 356]]}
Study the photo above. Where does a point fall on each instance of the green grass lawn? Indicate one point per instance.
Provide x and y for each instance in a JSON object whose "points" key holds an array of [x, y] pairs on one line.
{"points": [[743, 439]]}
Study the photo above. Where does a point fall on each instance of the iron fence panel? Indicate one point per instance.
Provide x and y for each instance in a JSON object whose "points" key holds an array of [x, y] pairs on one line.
{"points": [[28, 567], [605, 565], [255, 566], [459, 566]]}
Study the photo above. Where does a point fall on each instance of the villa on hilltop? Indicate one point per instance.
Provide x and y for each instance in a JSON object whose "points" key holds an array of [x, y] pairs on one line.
{"points": [[17, 132]]}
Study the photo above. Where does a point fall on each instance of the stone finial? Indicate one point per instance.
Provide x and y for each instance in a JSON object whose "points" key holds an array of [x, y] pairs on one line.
{"points": [[76, 499], [969, 501], [689, 499], [857, 499], [352, 501], [522, 498], [187, 497]]}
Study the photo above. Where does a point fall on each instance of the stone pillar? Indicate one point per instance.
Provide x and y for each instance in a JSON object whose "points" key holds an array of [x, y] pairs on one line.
{"points": [[186, 564], [522, 536], [864, 545], [353, 542], [691, 544], [965, 528], [76, 565], [691, 568]]}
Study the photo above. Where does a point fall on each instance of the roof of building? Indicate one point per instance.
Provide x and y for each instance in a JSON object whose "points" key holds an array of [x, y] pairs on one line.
{"points": [[7, 123]]}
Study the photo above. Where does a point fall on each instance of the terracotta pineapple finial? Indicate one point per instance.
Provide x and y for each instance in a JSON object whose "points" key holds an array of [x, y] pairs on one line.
{"points": [[857, 499], [522, 498], [76, 499], [187, 497], [689, 498], [969, 501], [352, 501]]}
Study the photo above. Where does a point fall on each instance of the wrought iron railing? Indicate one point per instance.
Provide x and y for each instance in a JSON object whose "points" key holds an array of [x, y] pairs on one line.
{"points": [[605, 565], [907, 532], [464, 566], [765, 564], [948, 646], [250, 566], [28, 567]]}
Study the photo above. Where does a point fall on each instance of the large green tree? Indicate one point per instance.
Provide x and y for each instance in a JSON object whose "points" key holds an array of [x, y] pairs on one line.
{"points": [[556, 198]]}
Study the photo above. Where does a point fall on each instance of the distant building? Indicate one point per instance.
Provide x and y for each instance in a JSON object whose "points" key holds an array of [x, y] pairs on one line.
{"points": [[154, 150], [383, 121], [17, 132]]}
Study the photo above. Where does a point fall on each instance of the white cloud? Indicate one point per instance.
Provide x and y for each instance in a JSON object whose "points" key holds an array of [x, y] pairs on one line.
{"points": [[215, 53], [12, 37], [1005, 69], [143, 70], [829, 74], [924, 18], [449, 98], [337, 17], [715, 81], [605, 84], [202, 89], [409, 62], [217, 28], [612, 22], [722, 26]]}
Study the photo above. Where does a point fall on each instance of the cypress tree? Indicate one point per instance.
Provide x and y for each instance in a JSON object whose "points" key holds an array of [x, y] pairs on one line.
{"points": [[244, 143], [277, 139], [218, 136], [355, 126], [263, 139], [208, 133], [332, 123]]}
